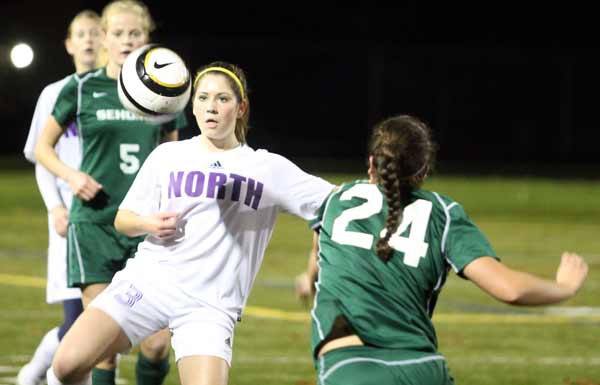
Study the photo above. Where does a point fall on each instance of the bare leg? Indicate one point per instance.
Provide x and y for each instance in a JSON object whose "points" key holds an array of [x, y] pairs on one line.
{"points": [[88, 293], [203, 370], [92, 338], [156, 347]]}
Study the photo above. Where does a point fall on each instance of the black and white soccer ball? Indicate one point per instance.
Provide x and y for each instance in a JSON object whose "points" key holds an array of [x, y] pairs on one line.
{"points": [[154, 83]]}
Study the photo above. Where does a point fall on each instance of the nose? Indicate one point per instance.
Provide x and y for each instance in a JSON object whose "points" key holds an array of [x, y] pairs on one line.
{"points": [[127, 39], [211, 109]]}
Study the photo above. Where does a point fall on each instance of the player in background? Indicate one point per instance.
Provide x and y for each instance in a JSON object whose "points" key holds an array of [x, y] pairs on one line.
{"points": [[115, 143], [83, 43], [207, 206], [385, 247]]}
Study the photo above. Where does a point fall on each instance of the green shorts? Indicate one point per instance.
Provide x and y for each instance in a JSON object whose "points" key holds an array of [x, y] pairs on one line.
{"points": [[362, 365], [95, 252]]}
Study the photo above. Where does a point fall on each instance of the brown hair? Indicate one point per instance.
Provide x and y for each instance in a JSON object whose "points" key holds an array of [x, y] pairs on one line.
{"points": [[403, 154], [240, 91]]}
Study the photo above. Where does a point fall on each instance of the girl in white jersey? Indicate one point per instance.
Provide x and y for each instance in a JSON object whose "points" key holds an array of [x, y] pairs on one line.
{"points": [[208, 206], [83, 44]]}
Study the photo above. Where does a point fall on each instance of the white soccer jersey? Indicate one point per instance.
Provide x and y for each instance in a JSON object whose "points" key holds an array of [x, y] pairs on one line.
{"points": [[228, 202], [54, 190]]}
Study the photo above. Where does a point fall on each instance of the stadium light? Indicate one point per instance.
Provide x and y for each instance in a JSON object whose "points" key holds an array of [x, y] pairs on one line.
{"points": [[21, 55]]}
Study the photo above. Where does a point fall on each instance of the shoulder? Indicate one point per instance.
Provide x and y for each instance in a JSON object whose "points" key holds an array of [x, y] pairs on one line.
{"points": [[273, 159], [53, 89], [72, 83], [443, 204]]}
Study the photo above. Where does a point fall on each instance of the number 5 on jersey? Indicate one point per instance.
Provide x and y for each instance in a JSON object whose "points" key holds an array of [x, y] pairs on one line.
{"points": [[416, 215], [129, 162]]}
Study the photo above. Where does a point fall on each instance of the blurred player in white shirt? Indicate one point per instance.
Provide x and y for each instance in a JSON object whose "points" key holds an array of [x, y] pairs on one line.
{"points": [[208, 206], [83, 44]]}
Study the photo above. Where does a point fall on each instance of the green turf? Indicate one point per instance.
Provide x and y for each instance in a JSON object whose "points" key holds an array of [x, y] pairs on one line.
{"points": [[528, 221]]}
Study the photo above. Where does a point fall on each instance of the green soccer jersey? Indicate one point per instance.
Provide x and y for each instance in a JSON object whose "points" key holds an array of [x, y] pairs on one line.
{"points": [[389, 304], [115, 142]]}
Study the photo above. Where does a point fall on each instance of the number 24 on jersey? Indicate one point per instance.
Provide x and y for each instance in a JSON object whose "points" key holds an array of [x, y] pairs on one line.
{"points": [[416, 214]]}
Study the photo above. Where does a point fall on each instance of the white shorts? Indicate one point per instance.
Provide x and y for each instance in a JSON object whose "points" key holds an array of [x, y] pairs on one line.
{"points": [[56, 284], [142, 303]]}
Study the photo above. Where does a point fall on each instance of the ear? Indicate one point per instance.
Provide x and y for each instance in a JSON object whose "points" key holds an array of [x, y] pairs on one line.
{"points": [[372, 171], [242, 109], [69, 47]]}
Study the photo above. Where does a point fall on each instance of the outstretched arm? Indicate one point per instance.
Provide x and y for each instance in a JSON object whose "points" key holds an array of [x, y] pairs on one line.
{"points": [[519, 288]]}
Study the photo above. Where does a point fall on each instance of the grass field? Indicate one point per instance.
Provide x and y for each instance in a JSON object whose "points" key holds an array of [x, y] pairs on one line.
{"points": [[529, 222]]}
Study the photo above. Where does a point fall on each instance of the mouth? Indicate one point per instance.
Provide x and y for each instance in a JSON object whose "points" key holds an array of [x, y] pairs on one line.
{"points": [[89, 51], [211, 123]]}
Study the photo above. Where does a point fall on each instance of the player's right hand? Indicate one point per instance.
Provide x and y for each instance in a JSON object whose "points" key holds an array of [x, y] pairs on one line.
{"points": [[162, 225], [571, 272], [83, 185], [60, 219]]}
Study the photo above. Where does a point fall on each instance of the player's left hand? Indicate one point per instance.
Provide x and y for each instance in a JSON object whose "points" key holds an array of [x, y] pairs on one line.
{"points": [[303, 288], [60, 220]]}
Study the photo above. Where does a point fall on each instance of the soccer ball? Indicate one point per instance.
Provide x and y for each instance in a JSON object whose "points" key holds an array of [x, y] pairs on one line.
{"points": [[154, 83]]}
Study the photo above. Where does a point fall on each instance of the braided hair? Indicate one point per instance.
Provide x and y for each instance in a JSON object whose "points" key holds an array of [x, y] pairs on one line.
{"points": [[403, 154]]}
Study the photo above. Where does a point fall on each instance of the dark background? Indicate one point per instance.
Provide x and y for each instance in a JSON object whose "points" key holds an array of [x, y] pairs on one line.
{"points": [[503, 87]]}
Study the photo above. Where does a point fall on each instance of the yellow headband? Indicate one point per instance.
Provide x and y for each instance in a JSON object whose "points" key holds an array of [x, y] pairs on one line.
{"points": [[225, 71]]}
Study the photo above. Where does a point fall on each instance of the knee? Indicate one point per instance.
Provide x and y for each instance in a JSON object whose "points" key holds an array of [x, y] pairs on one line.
{"points": [[69, 368], [156, 347]]}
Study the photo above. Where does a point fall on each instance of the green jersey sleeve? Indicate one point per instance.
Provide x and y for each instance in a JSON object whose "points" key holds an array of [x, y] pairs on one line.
{"points": [[315, 224], [65, 109], [464, 242]]}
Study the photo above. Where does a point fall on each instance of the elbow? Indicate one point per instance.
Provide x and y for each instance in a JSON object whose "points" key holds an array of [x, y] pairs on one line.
{"points": [[36, 151], [125, 223], [509, 292], [119, 225], [511, 297]]}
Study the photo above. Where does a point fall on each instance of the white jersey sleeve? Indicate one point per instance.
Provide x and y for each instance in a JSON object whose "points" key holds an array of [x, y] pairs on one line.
{"points": [[143, 197], [46, 181], [43, 109], [303, 193]]}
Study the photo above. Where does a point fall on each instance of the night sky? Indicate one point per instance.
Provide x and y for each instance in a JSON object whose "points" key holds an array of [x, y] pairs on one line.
{"points": [[496, 84]]}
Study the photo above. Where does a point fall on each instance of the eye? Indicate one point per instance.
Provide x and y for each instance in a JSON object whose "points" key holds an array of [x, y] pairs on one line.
{"points": [[223, 99], [202, 97]]}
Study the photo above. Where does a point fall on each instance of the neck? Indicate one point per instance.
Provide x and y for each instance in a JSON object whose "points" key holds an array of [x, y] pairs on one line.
{"points": [[112, 70], [81, 68], [216, 145]]}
